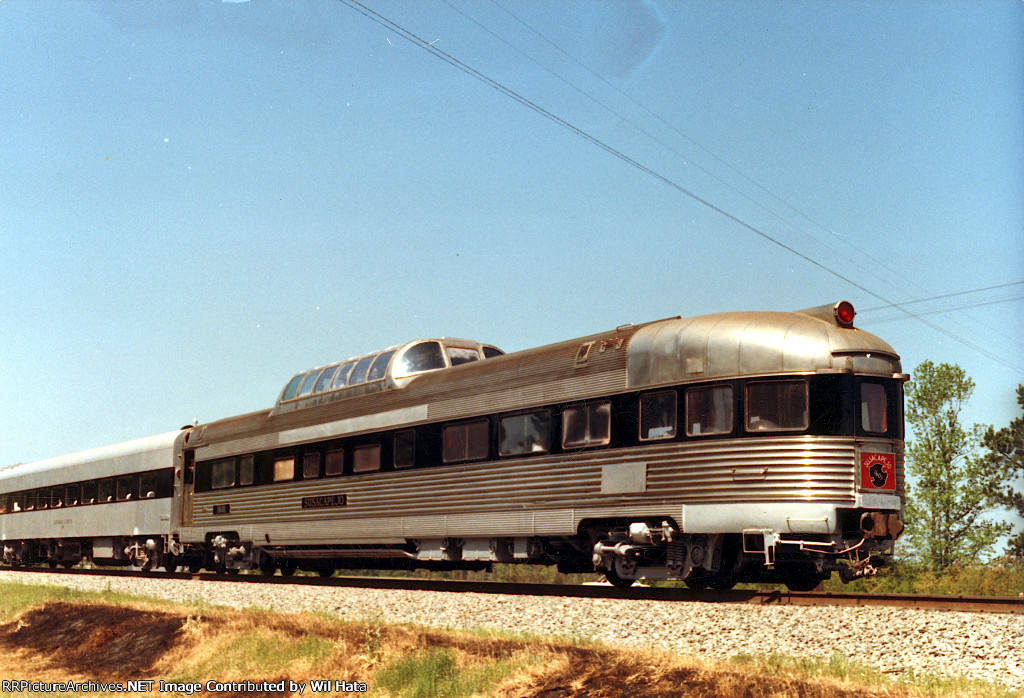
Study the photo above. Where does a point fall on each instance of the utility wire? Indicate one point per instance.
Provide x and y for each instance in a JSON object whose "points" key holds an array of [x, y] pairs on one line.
{"points": [[477, 75], [950, 295]]}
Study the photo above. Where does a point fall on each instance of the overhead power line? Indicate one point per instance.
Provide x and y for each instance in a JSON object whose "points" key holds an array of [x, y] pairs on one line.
{"points": [[952, 295], [533, 106]]}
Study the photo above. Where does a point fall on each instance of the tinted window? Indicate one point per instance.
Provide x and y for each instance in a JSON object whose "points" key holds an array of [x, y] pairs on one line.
{"points": [[341, 377], [308, 383], [246, 470], [462, 355], [89, 493], [777, 406], [525, 433], [587, 425], [311, 466], [148, 486], [366, 459], [323, 383], [425, 356], [284, 469], [491, 352], [466, 441], [380, 366], [335, 463], [106, 491], [873, 408], [293, 387], [125, 489], [73, 495], [222, 473], [709, 410], [658, 416], [405, 449], [361, 369]]}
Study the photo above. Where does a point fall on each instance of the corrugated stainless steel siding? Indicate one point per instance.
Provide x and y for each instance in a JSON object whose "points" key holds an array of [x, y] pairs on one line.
{"points": [[799, 469]]}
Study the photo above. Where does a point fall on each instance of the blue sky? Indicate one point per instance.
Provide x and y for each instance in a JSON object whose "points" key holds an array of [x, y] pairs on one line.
{"points": [[199, 199]]}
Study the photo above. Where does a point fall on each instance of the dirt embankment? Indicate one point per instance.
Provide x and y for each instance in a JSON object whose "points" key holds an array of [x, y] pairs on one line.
{"points": [[60, 642]]}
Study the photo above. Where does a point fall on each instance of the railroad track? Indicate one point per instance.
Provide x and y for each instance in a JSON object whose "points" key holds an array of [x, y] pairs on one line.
{"points": [[986, 604]]}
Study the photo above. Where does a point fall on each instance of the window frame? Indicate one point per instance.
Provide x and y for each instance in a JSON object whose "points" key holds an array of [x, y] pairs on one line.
{"points": [[548, 419]]}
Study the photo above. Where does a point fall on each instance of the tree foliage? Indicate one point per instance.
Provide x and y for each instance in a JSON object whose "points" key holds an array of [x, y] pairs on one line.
{"points": [[1006, 452], [953, 487]]}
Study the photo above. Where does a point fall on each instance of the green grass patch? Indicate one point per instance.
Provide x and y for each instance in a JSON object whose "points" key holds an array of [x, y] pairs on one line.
{"points": [[839, 666], [435, 673]]}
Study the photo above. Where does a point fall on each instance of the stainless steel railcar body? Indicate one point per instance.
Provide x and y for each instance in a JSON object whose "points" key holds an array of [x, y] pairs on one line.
{"points": [[114, 504], [762, 446]]}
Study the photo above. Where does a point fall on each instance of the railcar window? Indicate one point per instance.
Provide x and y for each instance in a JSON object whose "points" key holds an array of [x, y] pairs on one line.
{"points": [[311, 466], [425, 356], [462, 355], [3, 503], [16, 502], [246, 470], [341, 377], [222, 473], [525, 433], [308, 383], [709, 410], [658, 415], [873, 409], [124, 489], [72, 495], [56, 497], [30, 501], [323, 383], [89, 493], [465, 441], [366, 459], [284, 469], [361, 369], [587, 425], [777, 406], [292, 387], [335, 463], [491, 352], [405, 449], [106, 491], [379, 368], [148, 485]]}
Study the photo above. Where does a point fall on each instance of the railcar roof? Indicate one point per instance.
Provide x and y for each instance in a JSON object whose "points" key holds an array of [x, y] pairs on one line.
{"points": [[85, 462], [749, 343]]}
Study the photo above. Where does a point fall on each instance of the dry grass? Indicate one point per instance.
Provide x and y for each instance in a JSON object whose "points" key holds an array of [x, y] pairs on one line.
{"points": [[61, 641]]}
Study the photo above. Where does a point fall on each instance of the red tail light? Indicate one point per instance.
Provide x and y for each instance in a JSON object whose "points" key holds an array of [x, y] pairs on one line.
{"points": [[844, 313]]}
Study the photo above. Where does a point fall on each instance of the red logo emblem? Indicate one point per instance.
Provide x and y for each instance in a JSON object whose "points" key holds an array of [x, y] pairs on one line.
{"points": [[878, 471]]}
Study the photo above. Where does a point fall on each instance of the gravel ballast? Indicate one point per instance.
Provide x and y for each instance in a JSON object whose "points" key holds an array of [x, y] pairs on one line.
{"points": [[986, 646]]}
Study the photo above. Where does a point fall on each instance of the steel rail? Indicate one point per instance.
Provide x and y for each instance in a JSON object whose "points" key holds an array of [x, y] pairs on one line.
{"points": [[972, 604]]}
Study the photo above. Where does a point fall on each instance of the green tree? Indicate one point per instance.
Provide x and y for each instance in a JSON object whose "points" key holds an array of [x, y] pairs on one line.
{"points": [[1006, 451], [953, 488]]}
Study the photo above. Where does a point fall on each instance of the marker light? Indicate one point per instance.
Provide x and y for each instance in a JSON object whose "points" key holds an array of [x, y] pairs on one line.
{"points": [[844, 313]]}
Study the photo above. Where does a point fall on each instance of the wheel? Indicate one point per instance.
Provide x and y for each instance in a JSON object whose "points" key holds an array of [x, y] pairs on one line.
{"points": [[801, 578], [194, 567], [617, 581], [170, 562], [267, 568], [67, 565], [288, 569], [325, 572]]}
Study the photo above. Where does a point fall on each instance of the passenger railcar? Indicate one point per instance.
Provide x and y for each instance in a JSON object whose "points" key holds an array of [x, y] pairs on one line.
{"points": [[739, 446], [115, 505], [752, 446]]}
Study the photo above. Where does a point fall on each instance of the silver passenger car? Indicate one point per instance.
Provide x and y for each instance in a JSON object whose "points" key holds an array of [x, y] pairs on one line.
{"points": [[753, 446], [115, 505]]}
